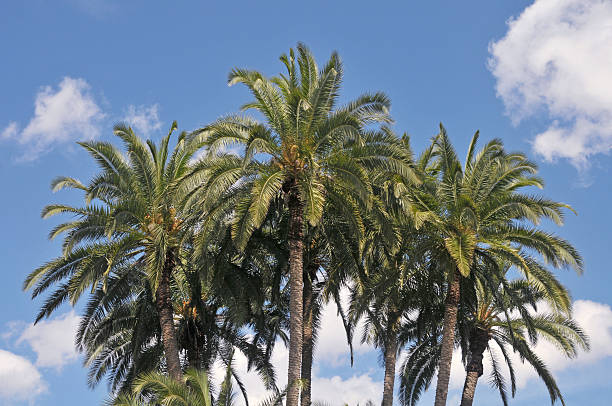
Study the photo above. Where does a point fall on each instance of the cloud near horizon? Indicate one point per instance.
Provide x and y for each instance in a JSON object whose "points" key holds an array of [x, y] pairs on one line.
{"points": [[331, 351], [556, 59], [21, 380], [593, 317], [52, 342]]}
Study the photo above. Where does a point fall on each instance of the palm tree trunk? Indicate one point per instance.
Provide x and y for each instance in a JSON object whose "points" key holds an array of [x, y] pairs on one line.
{"points": [[389, 382], [296, 266], [478, 344], [163, 300], [448, 339], [194, 358], [307, 345]]}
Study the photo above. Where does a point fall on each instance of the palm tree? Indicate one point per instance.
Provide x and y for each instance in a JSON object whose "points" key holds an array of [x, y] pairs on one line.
{"points": [[119, 332], [193, 390], [131, 218], [489, 326], [330, 260], [392, 279], [215, 296], [301, 153], [501, 318], [395, 283], [479, 215]]}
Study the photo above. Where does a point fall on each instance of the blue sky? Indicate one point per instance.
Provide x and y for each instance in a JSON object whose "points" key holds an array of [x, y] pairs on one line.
{"points": [[535, 74]]}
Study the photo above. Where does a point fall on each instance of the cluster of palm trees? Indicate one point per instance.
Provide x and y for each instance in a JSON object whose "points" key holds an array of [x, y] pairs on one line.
{"points": [[189, 254]]}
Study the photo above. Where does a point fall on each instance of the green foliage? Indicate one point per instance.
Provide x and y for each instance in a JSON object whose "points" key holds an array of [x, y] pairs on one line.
{"points": [[397, 230]]}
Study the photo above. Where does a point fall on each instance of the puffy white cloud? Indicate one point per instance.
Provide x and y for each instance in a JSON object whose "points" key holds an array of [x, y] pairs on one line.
{"points": [[596, 321], [253, 383], [357, 389], [556, 58], [52, 340], [334, 390], [331, 347], [61, 115], [19, 380], [143, 119]]}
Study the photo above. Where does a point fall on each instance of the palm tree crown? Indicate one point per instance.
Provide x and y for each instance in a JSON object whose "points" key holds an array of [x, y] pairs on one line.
{"points": [[132, 219], [480, 216], [307, 151]]}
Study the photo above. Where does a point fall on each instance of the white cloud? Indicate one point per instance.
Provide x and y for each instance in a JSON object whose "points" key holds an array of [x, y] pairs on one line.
{"points": [[143, 119], [331, 346], [594, 318], [52, 340], [357, 389], [10, 130], [333, 390], [556, 58], [331, 351], [19, 379], [63, 115]]}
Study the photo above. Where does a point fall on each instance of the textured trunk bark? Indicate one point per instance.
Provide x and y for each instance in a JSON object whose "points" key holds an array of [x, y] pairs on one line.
{"points": [[296, 265], [478, 344], [448, 340], [163, 299], [307, 345], [389, 382], [469, 388]]}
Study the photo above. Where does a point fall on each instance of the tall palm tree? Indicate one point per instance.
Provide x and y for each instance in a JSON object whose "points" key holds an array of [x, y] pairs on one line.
{"points": [[488, 325], [131, 218], [306, 151], [505, 318], [330, 260], [395, 283], [478, 214], [121, 339]]}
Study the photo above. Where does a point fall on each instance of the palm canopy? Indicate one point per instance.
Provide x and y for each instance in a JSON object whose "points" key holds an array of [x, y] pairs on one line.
{"points": [[479, 209], [479, 214], [306, 151], [195, 389], [497, 322], [306, 144], [132, 216], [121, 339]]}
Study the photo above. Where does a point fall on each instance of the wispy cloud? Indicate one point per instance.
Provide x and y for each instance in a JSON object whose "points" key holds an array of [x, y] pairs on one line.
{"points": [[143, 119], [555, 59], [62, 115], [10, 131]]}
